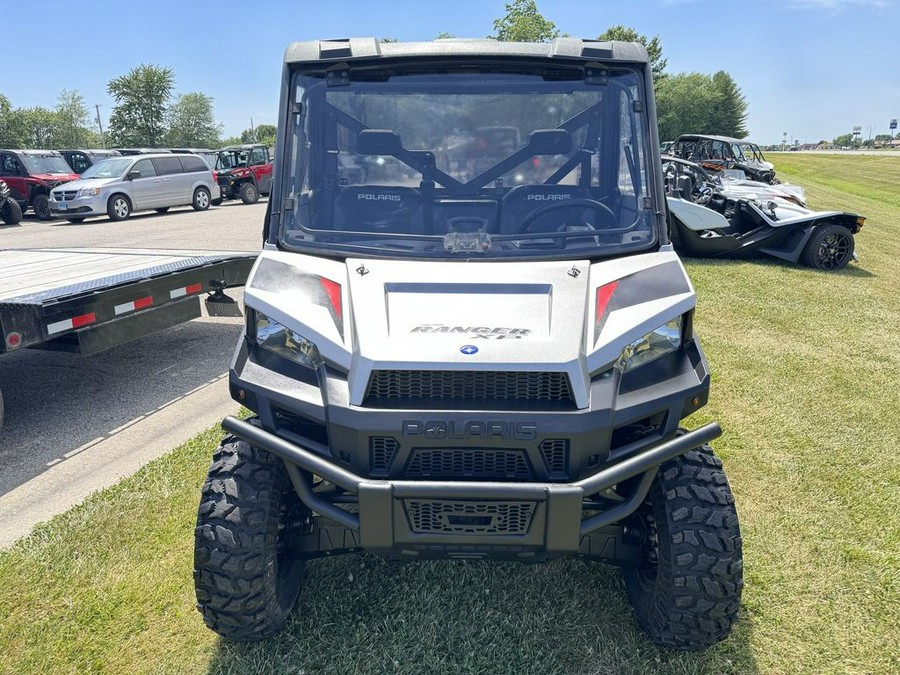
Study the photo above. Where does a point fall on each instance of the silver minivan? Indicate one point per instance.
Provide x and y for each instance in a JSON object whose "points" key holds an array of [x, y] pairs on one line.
{"points": [[120, 186]]}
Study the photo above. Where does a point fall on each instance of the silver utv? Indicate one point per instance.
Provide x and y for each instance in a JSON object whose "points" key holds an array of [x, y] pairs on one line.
{"points": [[468, 336]]}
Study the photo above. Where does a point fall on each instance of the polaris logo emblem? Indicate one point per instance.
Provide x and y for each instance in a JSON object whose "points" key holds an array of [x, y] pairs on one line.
{"points": [[378, 198], [468, 429], [546, 198], [478, 332]]}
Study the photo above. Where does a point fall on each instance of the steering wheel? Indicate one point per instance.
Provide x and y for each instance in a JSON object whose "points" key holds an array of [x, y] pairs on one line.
{"points": [[583, 202]]}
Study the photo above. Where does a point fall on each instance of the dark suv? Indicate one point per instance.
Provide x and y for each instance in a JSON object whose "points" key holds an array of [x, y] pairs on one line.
{"points": [[244, 171], [81, 160], [31, 174]]}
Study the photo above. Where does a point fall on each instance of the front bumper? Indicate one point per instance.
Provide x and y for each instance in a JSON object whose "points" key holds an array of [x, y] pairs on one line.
{"points": [[414, 518], [78, 206]]}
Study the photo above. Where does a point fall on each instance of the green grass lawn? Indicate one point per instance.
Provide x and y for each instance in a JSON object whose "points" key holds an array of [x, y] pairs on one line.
{"points": [[807, 387]]}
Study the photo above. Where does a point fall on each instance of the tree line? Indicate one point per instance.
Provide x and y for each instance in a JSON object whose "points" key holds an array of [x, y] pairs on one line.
{"points": [[146, 114]]}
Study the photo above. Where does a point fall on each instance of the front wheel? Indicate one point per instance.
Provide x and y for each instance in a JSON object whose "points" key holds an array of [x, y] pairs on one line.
{"points": [[11, 212], [249, 193], [829, 248], [118, 207], [686, 591], [40, 204], [201, 200], [245, 577]]}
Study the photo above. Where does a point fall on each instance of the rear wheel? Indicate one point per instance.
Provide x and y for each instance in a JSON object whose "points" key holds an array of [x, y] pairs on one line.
{"points": [[11, 212], [118, 207], [686, 591], [40, 204], [245, 577], [249, 193], [829, 248], [201, 200]]}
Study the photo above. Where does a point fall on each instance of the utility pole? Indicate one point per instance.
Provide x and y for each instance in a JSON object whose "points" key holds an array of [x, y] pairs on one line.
{"points": [[100, 125], [253, 131]]}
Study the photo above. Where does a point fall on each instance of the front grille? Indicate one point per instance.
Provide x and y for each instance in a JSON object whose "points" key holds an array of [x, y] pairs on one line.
{"points": [[67, 195], [418, 386], [469, 463], [436, 516], [381, 453], [555, 453]]}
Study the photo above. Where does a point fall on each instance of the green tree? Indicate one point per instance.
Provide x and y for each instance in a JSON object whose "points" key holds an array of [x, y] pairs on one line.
{"points": [[524, 23], [39, 126], [142, 99], [729, 116], [261, 133], [192, 123], [73, 121], [444, 35], [654, 49], [846, 140], [11, 131]]}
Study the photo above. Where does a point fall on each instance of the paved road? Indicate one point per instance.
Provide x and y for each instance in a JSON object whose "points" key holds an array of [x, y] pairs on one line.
{"points": [[76, 424]]}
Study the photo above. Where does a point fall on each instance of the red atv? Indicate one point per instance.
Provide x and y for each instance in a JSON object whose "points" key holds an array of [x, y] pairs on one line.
{"points": [[31, 174], [10, 211], [244, 171]]}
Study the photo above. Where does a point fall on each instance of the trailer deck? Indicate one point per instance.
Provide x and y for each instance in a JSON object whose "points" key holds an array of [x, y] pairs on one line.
{"points": [[88, 300]]}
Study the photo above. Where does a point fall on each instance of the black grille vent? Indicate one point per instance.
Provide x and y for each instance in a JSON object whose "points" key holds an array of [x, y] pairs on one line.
{"points": [[464, 385], [434, 516], [555, 453], [469, 463], [381, 453]]}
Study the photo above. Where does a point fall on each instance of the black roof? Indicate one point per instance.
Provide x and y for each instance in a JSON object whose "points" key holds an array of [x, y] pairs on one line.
{"points": [[349, 49]]}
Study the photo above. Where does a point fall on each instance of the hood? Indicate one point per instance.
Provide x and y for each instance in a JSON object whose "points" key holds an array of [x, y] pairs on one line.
{"points": [[90, 183], [55, 178], [366, 315]]}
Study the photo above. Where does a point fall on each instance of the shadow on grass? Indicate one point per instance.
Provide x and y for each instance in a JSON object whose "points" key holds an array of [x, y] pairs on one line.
{"points": [[853, 269], [359, 614]]}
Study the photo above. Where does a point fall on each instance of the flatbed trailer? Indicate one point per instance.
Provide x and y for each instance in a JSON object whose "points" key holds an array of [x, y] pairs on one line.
{"points": [[90, 300]]}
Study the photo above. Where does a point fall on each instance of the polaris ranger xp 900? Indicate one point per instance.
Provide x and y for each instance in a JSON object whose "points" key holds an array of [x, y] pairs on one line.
{"points": [[456, 350]]}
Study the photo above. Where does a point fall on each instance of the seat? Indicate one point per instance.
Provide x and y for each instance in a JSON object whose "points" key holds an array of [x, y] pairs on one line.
{"points": [[379, 209]]}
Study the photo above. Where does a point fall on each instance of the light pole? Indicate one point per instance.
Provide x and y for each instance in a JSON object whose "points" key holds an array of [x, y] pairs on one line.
{"points": [[783, 141]]}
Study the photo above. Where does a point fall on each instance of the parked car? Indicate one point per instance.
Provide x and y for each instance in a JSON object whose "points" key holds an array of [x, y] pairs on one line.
{"points": [[80, 160], [141, 151], [10, 211], [120, 186], [716, 153], [31, 174], [210, 157], [244, 171], [720, 216]]}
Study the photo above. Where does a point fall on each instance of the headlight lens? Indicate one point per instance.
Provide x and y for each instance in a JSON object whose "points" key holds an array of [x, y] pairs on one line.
{"points": [[276, 338], [656, 343], [89, 192]]}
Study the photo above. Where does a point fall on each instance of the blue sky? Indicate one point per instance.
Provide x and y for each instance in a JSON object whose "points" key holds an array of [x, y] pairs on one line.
{"points": [[811, 68]]}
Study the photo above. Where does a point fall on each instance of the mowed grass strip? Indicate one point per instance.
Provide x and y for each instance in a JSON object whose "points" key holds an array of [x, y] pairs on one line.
{"points": [[806, 372]]}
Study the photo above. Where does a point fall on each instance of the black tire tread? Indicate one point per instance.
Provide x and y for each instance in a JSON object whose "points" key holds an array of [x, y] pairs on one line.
{"points": [[809, 256], [235, 573], [11, 212], [694, 600]]}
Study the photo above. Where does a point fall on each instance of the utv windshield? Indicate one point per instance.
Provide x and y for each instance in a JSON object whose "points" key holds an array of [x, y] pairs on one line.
{"points": [[231, 159], [38, 164], [458, 161]]}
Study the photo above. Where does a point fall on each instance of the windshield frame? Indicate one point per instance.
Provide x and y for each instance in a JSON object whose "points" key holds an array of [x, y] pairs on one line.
{"points": [[642, 135], [32, 164]]}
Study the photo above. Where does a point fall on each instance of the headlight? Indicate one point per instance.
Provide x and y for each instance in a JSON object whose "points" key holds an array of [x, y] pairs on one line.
{"points": [[656, 343], [276, 338], [88, 192]]}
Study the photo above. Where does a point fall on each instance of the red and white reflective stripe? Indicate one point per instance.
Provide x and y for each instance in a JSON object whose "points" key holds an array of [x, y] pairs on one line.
{"points": [[185, 290], [71, 324], [140, 303]]}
